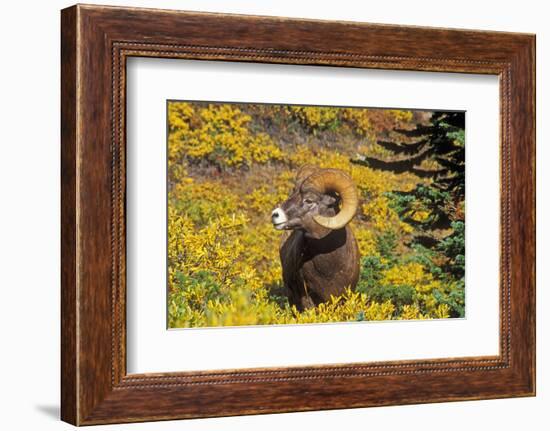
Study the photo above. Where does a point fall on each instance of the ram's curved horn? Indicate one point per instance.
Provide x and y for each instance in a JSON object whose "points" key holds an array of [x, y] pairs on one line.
{"points": [[304, 172], [337, 181]]}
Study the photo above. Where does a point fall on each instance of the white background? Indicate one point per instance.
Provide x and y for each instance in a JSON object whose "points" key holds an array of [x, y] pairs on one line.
{"points": [[151, 348], [29, 216]]}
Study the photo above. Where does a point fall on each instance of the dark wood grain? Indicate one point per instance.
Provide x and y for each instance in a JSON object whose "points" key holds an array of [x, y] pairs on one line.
{"points": [[96, 41], [69, 367]]}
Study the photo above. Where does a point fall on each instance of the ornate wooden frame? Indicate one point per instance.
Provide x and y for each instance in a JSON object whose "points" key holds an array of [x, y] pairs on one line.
{"points": [[95, 43]]}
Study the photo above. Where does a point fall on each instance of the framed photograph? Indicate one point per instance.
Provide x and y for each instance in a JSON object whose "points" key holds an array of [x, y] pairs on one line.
{"points": [[264, 214]]}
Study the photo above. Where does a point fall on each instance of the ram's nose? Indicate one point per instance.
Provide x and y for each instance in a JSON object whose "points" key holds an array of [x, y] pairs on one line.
{"points": [[278, 217]]}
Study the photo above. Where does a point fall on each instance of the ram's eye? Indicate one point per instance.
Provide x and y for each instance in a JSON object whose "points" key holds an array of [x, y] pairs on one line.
{"points": [[308, 201]]}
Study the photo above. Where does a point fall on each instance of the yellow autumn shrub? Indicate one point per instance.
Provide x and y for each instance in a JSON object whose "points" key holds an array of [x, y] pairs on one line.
{"points": [[315, 117], [217, 133]]}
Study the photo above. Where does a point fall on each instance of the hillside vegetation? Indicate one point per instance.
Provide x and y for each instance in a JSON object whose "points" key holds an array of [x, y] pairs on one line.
{"points": [[230, 165]]}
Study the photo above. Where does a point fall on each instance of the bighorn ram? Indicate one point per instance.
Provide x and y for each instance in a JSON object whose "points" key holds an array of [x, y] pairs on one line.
{"points": [[320, 256]]}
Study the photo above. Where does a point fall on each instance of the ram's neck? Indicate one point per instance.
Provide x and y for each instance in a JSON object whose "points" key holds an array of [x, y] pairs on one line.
{"points": [[331, 241]]}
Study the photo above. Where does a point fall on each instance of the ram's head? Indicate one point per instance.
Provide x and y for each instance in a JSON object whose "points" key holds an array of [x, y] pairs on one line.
{"points": [[322, 200]]}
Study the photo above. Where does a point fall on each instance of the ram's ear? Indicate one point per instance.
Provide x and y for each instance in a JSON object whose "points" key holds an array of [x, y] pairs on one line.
{"points": [[328, 200]]}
